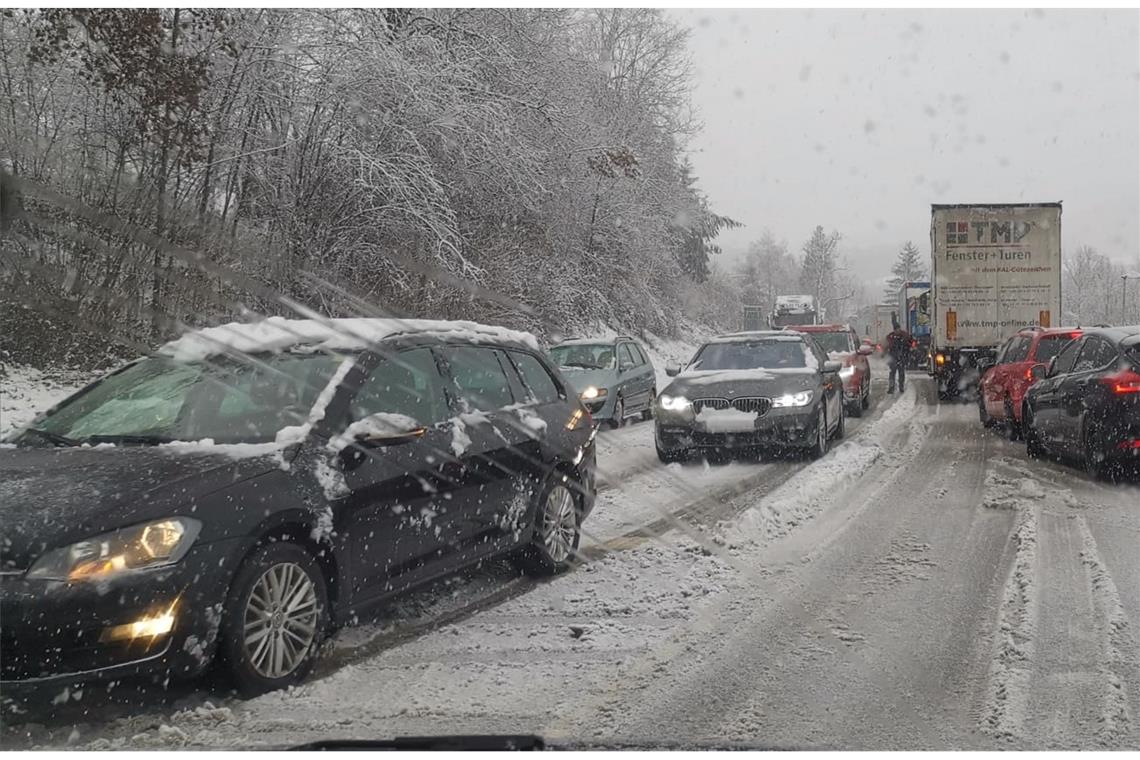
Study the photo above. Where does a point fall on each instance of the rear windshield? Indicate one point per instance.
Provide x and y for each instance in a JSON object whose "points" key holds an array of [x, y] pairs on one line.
{"points": [[770, 354], [1051, 345], [833, 342]]}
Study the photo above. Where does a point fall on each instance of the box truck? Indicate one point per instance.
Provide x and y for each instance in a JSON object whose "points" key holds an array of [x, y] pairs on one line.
{"points": [[794, 310], [995, 268], [914, 316]]}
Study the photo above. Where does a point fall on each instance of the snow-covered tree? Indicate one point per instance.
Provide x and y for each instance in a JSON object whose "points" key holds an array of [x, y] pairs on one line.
{"points": [[908, 266]]}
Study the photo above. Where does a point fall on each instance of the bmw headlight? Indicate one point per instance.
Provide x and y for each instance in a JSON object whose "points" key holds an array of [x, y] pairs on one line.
{"points": [[153, 544], [674, 403], [593, 392], [847, 372], [803, 398]]}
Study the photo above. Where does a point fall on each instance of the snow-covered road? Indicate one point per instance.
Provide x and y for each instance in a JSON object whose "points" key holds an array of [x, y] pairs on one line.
{"points": [[925, 585]]}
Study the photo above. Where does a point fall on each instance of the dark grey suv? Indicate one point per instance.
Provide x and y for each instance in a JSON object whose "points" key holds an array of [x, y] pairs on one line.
{"points": [[751, 390], [249, 486]]}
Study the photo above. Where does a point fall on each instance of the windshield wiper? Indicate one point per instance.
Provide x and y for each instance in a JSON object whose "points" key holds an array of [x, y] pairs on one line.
{"points": [[54, 438], [476, 742], [129, 439]]}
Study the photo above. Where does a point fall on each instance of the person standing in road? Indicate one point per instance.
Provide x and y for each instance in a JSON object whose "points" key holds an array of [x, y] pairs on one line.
{"points": [[898, 351]]}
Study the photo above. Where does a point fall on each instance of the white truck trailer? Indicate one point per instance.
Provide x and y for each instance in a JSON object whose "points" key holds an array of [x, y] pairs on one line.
{"points": [[995, 268]]}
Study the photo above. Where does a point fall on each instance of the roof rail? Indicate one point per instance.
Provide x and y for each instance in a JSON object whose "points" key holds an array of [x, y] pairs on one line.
{"points": [[624, 337]]}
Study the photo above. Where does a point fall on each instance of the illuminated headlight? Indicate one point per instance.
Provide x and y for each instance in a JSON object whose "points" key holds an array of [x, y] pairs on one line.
{"points": [[592, 393], [803, 398], [153, 544], [674, 403], [847, 372]]}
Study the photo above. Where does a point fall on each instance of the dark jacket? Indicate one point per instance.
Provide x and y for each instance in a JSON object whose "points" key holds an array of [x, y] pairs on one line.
{"points": [[898, 343]]}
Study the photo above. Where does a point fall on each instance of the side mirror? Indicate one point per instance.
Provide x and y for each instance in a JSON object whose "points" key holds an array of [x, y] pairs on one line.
{"points": [[672, 369], [1038, 371], [864, 350], [832, 367]]}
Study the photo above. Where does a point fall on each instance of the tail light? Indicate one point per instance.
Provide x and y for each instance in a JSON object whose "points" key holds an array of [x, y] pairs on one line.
{"points": [[1029, 375], [1125, 381]]}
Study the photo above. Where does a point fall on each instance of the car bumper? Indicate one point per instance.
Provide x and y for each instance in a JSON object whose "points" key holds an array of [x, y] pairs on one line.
{"points": [[54, 632], [601, 408], [778, 428]]}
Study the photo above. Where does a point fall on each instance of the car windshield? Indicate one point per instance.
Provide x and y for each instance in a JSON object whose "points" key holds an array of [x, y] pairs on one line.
{"points": [[584, 356], [833, 342], [159, 400], [762, 354]]}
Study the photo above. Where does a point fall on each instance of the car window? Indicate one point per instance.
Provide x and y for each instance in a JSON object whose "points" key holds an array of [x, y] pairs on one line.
{"points": [[407, 383], [479, 378], [1066, 358], [626, 355], [640, 355], [1051, 345], [537, 380], [1097, 353], [1018, 349], [1000, 358]]}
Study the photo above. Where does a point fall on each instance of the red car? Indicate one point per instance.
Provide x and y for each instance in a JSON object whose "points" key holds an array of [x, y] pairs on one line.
{"points": [[843, 345], [1004, 385]]}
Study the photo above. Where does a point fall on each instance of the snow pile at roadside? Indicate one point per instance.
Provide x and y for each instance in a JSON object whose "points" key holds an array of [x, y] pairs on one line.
{"points": [[807, 492], [26, 391]]}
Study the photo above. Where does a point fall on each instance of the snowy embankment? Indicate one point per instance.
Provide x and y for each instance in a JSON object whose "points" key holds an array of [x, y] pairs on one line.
{"points": [[25, 391]]}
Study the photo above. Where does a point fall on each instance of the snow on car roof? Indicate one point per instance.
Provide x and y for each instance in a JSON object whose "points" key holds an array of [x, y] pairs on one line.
{"points": [[789, 336], [279, 334], [586, 342]]}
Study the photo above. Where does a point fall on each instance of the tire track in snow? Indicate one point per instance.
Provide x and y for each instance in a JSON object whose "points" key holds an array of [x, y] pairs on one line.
{"points": [[1117, 640], [1011, 667]]}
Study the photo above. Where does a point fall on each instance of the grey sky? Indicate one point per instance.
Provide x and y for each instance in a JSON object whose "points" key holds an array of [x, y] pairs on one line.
{"points": [[859, 120]]}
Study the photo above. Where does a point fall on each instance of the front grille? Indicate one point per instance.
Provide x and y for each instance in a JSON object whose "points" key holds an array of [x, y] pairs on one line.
{"points": [[757, 404], [710, 403]]}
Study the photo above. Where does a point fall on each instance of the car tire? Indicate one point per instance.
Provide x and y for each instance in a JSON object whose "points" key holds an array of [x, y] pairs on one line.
{"points": [[1033, 446], [819, 448], [647, 413], [275, 619], [667, 456], [841, 428], [1092, 453], [619, 413], [1012, 426], [983, 415], [557, 530], [865, 402]]}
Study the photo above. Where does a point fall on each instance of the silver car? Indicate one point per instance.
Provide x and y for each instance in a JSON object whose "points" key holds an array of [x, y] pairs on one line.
{"points": [[614, 378]]}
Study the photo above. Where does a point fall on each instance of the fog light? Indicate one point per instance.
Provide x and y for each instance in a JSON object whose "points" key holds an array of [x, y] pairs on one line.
{"points": [[151, 626]]}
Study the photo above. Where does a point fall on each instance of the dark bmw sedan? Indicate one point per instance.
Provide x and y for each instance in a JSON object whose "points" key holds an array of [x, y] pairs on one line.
{"points": [[1086, 403], [763, 389], [249, 487]]}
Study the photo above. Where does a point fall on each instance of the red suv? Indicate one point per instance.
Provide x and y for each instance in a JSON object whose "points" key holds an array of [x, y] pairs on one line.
{"points": [[1004, 385], [843, 345]]}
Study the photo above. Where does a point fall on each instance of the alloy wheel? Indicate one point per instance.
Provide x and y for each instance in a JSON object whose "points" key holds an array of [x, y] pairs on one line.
{"points": [[559, 524], [280, 621]]}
